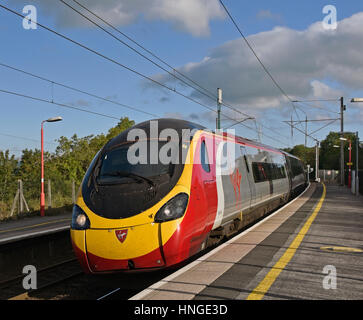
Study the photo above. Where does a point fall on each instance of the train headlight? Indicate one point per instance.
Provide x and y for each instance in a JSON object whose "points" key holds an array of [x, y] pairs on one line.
{"points": [[173, 209], [80, 220]]}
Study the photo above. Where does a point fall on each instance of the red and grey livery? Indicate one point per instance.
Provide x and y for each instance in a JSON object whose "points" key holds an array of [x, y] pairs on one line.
{"points": [[138, 217]]}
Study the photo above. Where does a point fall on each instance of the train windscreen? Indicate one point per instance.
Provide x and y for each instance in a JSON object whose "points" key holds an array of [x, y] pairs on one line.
{"points": [[118, 164]]}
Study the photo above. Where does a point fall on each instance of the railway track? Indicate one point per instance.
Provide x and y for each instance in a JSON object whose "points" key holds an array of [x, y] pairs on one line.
{"points": [[46, 278], [65, 280]]}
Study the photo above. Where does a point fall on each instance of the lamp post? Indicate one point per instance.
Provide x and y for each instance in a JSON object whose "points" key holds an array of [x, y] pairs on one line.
{"points": [[350, 162], [357, 153], [42, 195], [358, 143], [219, 104]]}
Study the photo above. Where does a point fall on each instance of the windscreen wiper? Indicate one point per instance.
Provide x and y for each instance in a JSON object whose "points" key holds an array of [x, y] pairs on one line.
{"points": [[130, 175]]}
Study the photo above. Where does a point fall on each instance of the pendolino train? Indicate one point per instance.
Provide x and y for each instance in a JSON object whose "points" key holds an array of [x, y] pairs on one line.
{"points": [[157, 214]]}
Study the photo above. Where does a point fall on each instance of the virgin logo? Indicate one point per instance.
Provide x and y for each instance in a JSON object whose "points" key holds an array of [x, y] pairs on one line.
{"points": [[121, 235]]}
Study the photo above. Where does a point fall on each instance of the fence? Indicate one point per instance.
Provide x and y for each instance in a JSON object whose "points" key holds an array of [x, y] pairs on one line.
{"points": [[360, 176], [329, 176], [333, 177], [26, 198]]}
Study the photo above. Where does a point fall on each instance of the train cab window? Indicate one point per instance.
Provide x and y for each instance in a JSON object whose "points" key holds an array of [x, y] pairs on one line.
{"points": [[204, 157], [296, 167]]}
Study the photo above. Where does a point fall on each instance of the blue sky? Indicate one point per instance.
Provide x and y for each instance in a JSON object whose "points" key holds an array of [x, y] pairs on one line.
{"points": [[199, 50]]}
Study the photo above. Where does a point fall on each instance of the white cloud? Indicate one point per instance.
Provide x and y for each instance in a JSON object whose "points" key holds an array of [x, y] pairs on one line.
{"points": [[188, 15], [268, 15], [320, 89], [305, 64], [192, 16]]}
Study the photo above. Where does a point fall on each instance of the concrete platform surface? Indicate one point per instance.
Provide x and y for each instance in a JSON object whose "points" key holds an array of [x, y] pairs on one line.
{"points": [[33, 226], [310, 249]]}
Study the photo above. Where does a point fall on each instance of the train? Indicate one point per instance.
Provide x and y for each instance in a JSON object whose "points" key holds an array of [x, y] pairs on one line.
{"points": [[166, 189]]}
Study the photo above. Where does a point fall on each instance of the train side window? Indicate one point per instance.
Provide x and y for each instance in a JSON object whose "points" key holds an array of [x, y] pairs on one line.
{"points": [[259, 173], [204, 157], [256, 172]]}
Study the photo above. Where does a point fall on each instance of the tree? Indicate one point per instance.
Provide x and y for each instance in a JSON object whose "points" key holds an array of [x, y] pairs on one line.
{"points": [[73, 155], [68, 163], [307, 155], [330, 155], [123, 125], [8, 184], [29, 172]]}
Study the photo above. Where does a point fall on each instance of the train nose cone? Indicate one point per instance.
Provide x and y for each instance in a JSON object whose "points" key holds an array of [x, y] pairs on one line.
{"points": [[136, 247]]}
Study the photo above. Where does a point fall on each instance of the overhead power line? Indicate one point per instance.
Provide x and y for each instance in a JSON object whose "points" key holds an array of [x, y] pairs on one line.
{"points": [[258, 59], [210, 95], [328, 124], [115, 62], [107, 58], [317, 107], [87, 111], [57, 103], [77, 90], [24, 138], [310, 136], [318, 100]]}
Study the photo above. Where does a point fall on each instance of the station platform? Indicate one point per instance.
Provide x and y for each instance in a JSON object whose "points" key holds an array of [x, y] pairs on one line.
{"points": [[33, 226], [310, 249]]}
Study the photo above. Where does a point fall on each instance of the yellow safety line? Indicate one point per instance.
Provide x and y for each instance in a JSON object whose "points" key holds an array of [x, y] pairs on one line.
{"points": [[34, 225], [23, 296], [266, 283]]}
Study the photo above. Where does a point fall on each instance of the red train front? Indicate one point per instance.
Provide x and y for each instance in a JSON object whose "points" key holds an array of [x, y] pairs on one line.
{"points": [[165, 189]]}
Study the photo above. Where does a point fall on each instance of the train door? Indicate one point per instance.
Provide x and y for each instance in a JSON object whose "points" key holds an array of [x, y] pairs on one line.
{"points": [[207, 170], [233, 187], [219, 184], [240, 180], [289, 173], [249, 175]]}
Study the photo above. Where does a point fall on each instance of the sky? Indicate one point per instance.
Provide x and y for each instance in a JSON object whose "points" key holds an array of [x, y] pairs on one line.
{"points": [[196, 38]]}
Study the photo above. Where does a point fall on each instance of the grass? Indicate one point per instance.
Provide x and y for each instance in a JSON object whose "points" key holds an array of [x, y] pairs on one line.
{"points": [[60, 205]]}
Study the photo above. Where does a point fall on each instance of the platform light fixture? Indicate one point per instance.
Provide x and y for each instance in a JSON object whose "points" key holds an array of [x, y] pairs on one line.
{"points": [[357, 100], [42, 195]]}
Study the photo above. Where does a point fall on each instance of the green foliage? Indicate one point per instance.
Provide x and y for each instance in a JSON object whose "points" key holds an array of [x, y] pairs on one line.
{"points": [[330, 155], [124, 124], [73, 155], [68, 163], [8, 166], [307, 155]]}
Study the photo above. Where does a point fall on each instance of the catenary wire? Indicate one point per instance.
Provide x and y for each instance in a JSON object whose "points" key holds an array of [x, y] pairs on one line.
{"points": [[115, 62], [77, 90], [57, 103], [258, 59], [211, 96]]}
